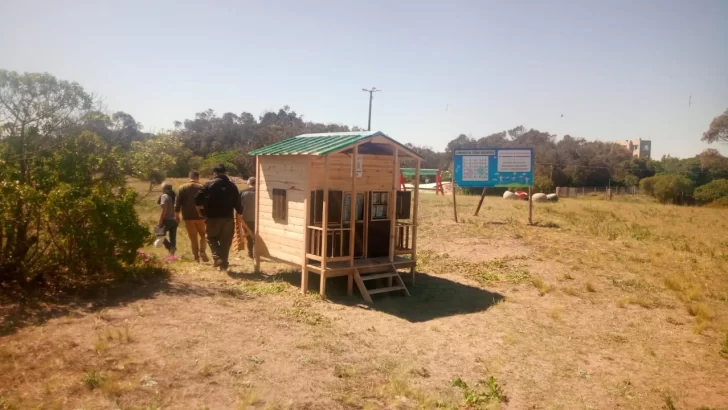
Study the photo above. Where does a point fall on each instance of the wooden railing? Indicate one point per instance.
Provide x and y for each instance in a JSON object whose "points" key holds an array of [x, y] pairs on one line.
{"points": [[403, 238], [337, 243]]}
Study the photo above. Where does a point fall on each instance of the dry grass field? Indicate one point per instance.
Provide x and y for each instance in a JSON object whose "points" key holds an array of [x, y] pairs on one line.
{"points": [[598, 305]]}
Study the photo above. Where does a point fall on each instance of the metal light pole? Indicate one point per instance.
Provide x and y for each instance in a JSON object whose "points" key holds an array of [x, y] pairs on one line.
{"points": [[371, 96]]}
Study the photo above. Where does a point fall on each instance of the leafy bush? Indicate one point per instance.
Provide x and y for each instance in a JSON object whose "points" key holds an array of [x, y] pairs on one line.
{"points": [[668, 187], [227, 158], [542, 184], [76, 205], [647, 185], [715, 189]]}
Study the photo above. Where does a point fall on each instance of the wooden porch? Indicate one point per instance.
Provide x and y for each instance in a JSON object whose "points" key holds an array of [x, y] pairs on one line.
{"points": [[359, 224]]}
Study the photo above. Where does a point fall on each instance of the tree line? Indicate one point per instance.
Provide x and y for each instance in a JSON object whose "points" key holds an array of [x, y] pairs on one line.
{"points": [[64, 167]]}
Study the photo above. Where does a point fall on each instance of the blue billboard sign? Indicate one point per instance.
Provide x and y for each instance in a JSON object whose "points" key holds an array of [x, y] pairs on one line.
{"points": [[493, 167]]}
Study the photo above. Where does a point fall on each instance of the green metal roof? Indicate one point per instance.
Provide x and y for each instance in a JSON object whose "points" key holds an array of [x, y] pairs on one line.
{"points": [[322, 144]]}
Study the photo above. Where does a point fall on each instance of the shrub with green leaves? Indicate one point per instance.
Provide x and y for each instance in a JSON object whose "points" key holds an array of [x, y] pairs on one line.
{"points": [[75, 205], [647, 185], [666, 188], [713, 190]]}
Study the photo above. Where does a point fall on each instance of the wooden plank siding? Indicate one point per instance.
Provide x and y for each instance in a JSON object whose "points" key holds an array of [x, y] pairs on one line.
{"points": [[376, 173], [283, 240]]}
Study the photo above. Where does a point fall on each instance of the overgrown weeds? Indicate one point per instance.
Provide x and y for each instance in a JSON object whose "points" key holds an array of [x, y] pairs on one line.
{"points": [[94, 380], [484, 392]]}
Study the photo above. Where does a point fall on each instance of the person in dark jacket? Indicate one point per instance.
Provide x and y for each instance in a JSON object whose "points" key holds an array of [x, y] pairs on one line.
{"points": [[247, 198], [218, 200]]}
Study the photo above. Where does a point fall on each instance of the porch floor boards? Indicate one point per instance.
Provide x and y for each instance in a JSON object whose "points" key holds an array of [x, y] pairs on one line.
{"points": [[342, 268]]}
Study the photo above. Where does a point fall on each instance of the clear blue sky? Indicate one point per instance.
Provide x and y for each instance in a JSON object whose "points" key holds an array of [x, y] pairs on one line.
{"points": [[614, 69]]}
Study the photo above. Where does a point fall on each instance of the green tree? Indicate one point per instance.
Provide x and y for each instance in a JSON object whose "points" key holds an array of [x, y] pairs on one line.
{"points": [[153, 159], [718, 130], [35, 111]]}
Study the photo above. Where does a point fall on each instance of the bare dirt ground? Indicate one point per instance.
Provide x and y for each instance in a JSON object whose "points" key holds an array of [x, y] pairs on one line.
{"points": [[601, 305]]}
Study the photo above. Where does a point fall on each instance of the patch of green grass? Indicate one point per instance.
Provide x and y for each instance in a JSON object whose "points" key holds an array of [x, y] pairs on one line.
{"points": [[501, 270], [254, 288], [306, 316], [94, 380]]}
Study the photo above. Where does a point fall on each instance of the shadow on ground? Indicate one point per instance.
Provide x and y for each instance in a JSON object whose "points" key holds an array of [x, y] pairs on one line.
{"points": [[32, 307], [433, 296]]}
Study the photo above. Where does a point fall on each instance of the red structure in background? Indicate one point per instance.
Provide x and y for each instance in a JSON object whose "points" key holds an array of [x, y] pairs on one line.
{"points": [[439, 190], [438, 184]]}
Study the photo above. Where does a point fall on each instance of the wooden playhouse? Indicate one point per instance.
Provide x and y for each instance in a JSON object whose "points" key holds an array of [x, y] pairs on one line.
{"points": [[305, 207]]}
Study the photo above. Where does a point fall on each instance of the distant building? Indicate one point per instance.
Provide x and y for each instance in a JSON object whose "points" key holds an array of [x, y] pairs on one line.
{"points": [[639, 148]]}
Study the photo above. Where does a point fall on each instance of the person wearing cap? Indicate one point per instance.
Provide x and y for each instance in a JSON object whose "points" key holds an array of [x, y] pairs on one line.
{"points": [[194, 222], [247, 198], [218, 200]]}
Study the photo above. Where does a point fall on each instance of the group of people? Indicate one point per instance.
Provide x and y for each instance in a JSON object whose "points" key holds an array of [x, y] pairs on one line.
{"points": [[208, 212]]}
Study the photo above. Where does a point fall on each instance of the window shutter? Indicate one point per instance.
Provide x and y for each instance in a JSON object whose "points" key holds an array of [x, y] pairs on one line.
{"points": [[280, 205]]}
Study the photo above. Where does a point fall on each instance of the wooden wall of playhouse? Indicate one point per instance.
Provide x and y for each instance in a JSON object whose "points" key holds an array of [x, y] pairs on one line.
{"points": [[376, 173], [299, 175], [283, 239]]}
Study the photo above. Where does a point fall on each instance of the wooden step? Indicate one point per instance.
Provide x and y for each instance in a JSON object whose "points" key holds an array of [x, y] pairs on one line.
{"points": [[378, 276], [383, 290]]}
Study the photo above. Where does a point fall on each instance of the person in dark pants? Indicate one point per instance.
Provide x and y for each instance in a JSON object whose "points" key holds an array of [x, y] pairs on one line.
{"points": [[247, 198], [218, 200], [167, 217]]}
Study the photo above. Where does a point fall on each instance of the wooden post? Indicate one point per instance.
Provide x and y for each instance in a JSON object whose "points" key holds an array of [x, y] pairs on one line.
{"points": [[415, 208], [256, 241], [530, 205], [393, 204], [325, 228], [480, 203], [352, 219], [454, 200], [307, 221]]}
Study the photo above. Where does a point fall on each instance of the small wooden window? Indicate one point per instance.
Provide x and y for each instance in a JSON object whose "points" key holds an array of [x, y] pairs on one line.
{"points": [[359, 207], [280, 205], [379, 201]]}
